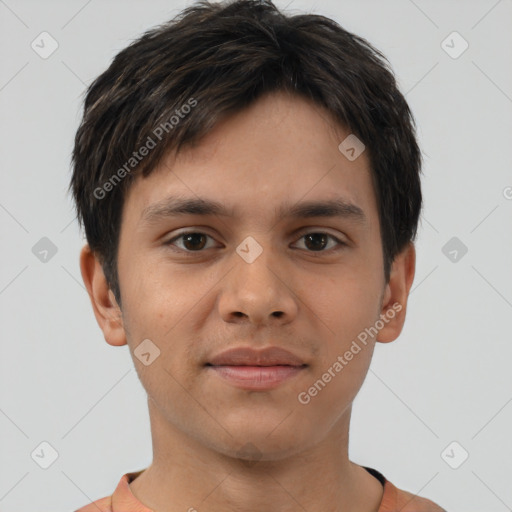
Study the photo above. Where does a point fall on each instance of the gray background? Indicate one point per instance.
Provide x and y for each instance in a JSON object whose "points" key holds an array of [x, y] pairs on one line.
{"points": [[447, 378]]}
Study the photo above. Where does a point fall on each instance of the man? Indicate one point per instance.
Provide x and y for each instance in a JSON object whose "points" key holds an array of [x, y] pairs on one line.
{"points": [[249, 184]]}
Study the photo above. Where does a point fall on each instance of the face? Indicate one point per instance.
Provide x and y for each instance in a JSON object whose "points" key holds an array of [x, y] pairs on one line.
{"points": [[196, 285]]}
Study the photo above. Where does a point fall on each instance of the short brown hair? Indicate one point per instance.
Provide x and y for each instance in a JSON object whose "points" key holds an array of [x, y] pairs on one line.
{"points": [[223, 56]]}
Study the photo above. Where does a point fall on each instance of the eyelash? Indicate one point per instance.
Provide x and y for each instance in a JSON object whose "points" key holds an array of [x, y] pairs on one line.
{"points": [[340, 243]]}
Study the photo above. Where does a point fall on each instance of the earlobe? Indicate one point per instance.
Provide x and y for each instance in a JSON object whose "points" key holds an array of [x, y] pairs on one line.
{"points": [[394, 304], [106, 310]]}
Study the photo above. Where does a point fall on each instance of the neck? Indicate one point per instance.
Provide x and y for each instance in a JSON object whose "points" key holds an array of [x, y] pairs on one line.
{"points": [[188, 475]]}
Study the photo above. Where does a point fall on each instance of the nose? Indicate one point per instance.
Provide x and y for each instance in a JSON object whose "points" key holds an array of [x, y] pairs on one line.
{"points": [[259, 292]]}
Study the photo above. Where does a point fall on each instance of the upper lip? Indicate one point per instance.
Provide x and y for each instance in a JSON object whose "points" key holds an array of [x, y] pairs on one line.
{"points": [[247, 356]]}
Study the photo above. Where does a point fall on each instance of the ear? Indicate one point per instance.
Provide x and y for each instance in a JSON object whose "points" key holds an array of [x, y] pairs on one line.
{"points": [[394, 303], [106, 310]]}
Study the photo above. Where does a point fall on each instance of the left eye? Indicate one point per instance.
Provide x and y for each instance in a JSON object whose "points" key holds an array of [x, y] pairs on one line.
{"points": [[195, 241], [319, 238]]}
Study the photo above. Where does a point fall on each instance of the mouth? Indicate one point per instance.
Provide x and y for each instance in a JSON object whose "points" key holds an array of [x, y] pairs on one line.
{"points": [[256, 377], [253, 365], [248, 368]]}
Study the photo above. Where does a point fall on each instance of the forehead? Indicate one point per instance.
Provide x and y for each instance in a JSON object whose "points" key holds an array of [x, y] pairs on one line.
{"points": [[278, 152]]}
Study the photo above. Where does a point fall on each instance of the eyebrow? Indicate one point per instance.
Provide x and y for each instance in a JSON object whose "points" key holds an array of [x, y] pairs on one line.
{"points": [[177, 206]]}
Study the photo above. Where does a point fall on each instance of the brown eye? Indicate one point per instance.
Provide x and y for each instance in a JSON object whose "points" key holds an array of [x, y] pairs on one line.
{"points": [[318, 241], [192, 241]]}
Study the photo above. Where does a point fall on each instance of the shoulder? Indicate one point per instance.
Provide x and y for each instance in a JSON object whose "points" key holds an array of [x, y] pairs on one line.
{"points": [[394, 499], [408, 502], [101, 505], [122, 500]]}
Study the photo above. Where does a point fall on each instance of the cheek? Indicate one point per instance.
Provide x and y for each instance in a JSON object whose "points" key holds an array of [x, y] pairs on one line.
{"points": [[342, 367], [345, 306], [159, 296], [156, 308]]}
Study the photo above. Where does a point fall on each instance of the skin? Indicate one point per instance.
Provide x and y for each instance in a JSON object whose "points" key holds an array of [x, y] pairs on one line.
{"points": [[193, 305]]}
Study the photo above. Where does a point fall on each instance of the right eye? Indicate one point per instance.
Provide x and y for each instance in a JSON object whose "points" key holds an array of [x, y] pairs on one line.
{"points": [[192, 240]]}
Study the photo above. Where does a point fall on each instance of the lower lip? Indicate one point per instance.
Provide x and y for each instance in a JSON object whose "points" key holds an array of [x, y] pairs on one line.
{"points": [[256, 377]]}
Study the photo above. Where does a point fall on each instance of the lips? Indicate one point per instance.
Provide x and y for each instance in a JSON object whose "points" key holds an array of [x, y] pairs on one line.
{"points": [[246, 356]]}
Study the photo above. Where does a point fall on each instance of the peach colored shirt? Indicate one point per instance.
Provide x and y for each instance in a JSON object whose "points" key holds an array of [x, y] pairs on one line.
{"points": [[393, 499]]}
